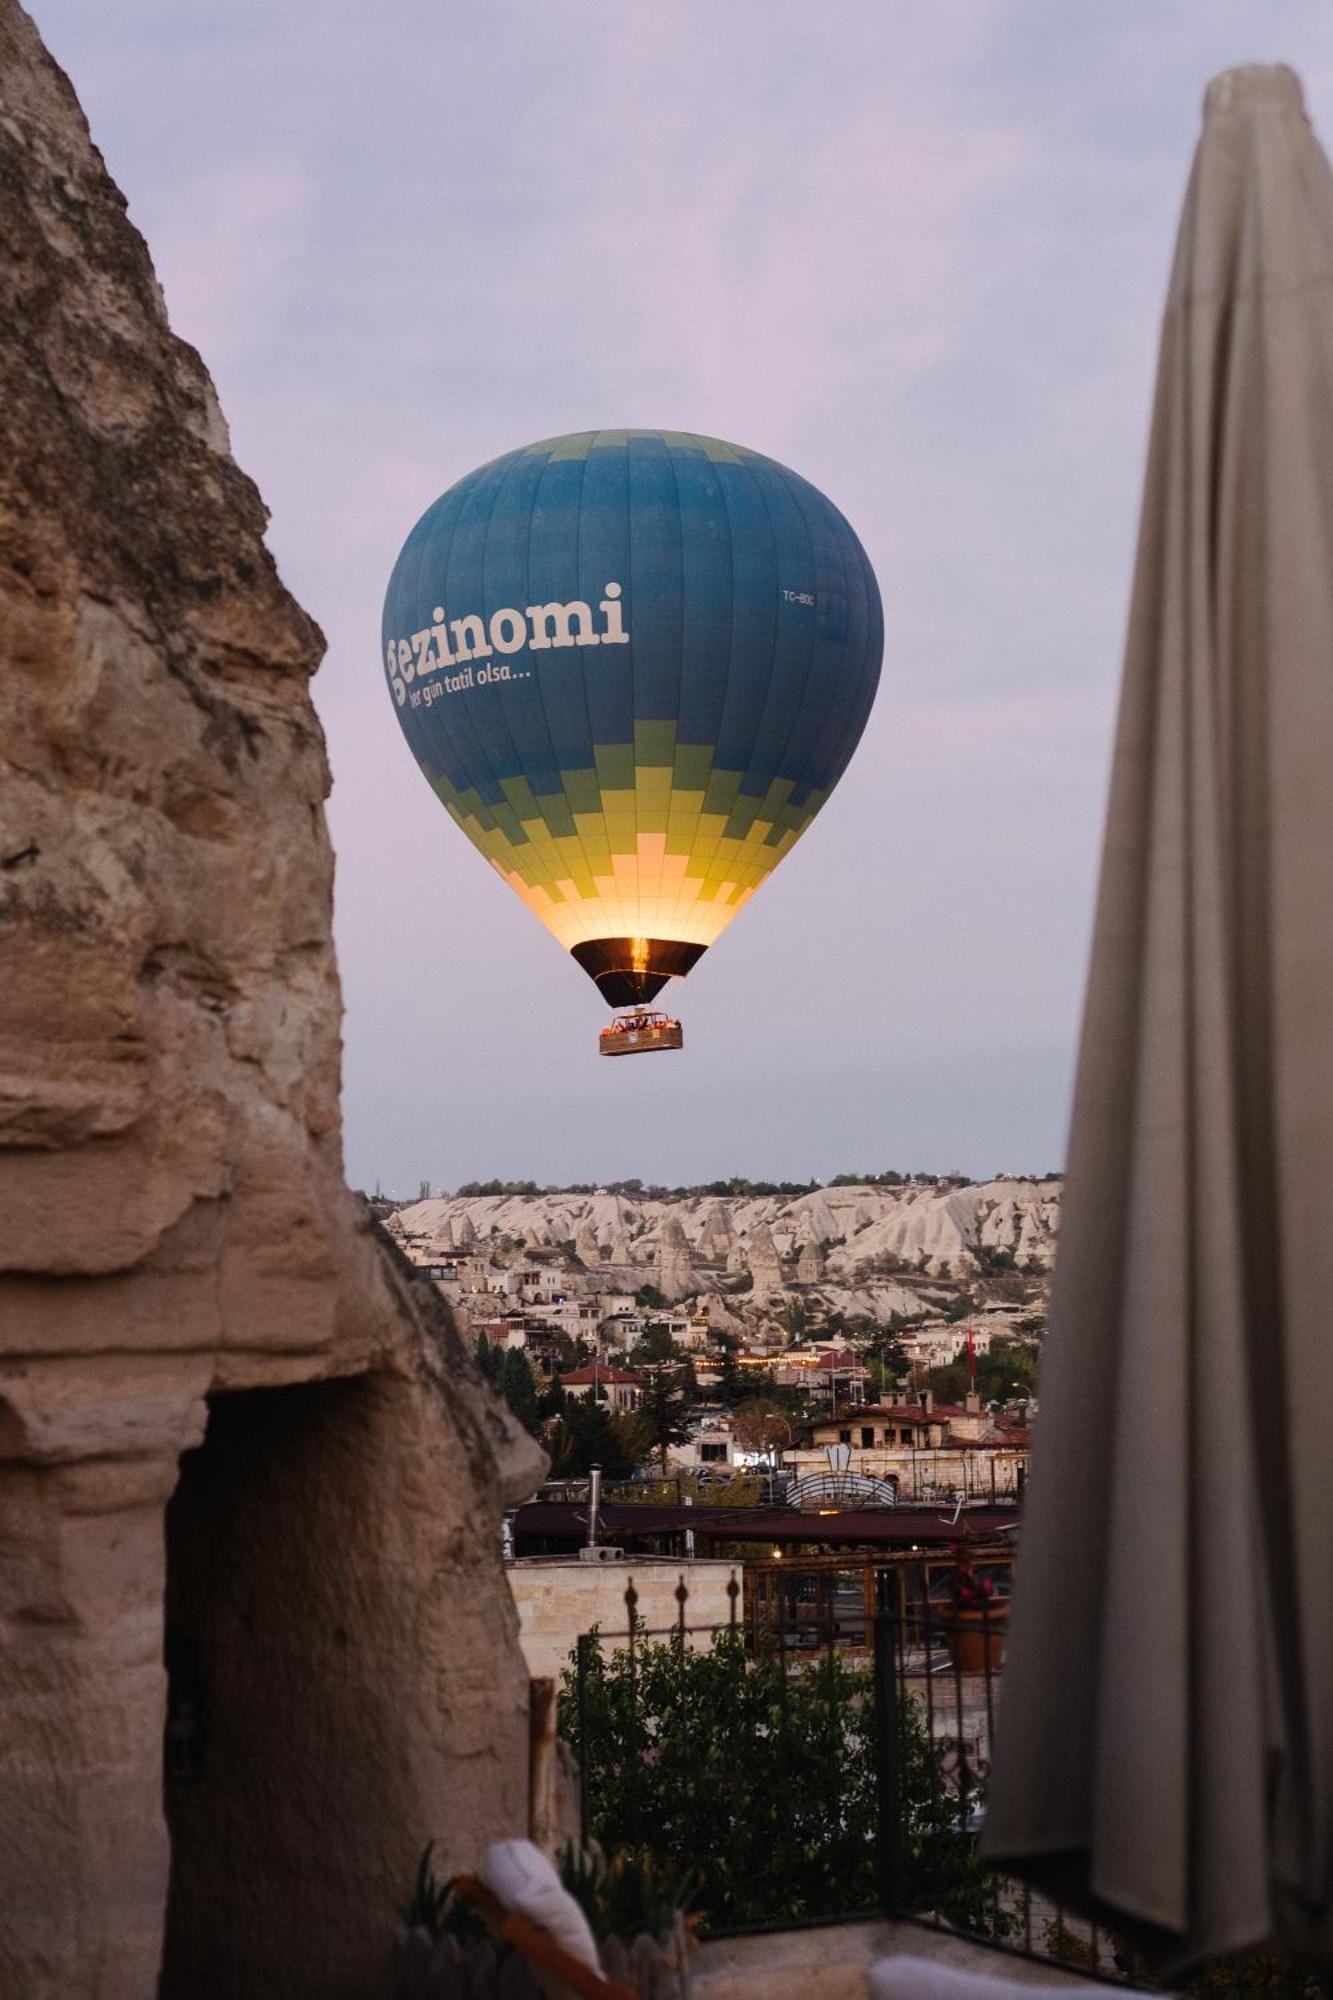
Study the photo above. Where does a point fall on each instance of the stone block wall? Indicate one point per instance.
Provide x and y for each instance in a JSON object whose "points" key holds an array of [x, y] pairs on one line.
{"points": [[559, 1599]]}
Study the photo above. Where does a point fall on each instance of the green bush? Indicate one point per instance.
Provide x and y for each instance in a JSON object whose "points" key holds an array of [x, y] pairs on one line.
{"points": [[758, 1775]]}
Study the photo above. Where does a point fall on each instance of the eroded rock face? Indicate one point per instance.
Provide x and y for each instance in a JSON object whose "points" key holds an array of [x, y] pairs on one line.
{"points": [[675, 1277], [934, 1231], [763, 1260], [173, 1220]]}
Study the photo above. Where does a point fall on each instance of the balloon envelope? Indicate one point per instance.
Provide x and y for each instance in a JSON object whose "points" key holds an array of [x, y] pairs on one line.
{"points": [[633, 665]]}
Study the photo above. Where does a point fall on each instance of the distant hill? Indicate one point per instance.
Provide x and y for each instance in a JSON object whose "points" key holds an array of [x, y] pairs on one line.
{"points": [[863, 1248]]}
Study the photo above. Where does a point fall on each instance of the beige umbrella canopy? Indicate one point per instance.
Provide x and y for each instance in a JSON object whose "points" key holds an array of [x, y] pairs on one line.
{"points": [[1165, 1735]]}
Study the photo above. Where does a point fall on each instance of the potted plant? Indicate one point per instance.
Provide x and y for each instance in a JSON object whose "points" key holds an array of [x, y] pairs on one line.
{"points": [[443, 1950], [977, 1618], [638, 1910]]}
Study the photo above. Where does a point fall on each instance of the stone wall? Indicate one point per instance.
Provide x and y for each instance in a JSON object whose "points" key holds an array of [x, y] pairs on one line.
{"points": [[175, 1234], [560, 1597]]}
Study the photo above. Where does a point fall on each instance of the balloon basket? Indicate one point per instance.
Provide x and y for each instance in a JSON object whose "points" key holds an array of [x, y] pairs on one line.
{"points": [[639, 1034]]}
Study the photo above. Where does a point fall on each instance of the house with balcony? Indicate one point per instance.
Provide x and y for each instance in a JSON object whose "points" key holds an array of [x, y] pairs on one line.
{"points": [[923, 1449], [537, 1281]]}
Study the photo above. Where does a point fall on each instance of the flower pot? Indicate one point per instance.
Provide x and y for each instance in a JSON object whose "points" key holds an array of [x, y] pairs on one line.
{"points": [[440, 1968], [429, 1968], [976, 1637], [656, 1968]]}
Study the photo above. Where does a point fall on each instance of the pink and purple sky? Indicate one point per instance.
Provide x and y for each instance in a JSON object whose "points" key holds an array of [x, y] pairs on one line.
{"points": [[916, 249]]}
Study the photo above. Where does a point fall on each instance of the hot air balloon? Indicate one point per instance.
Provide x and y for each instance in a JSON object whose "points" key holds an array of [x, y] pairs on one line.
{"points": [[632, 666]]}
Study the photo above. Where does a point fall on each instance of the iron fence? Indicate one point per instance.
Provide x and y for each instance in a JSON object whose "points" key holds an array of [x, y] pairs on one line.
{"points": [[818, 1757]]}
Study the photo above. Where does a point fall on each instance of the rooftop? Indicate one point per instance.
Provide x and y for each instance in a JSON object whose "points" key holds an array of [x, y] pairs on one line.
{"points": [[598, 1371]]}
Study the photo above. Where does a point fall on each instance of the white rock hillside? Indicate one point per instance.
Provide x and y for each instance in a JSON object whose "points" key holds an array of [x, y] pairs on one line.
{"points": [[868, 1249]]}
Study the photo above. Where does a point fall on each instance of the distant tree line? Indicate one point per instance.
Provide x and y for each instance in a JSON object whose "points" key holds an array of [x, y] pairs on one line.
{"points": [[736, 1187], [505, 1187]]}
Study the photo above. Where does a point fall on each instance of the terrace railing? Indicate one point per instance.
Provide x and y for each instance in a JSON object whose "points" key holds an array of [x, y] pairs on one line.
{"points": [[820, 1756]]}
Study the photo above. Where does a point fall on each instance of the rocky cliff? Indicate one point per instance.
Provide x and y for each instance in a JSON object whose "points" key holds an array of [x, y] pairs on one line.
{"points": [[870, 1248], [183, 1269]]}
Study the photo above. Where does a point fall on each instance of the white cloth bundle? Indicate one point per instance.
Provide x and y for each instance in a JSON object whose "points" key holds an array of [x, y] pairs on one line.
{"points": [[522, 1878]]}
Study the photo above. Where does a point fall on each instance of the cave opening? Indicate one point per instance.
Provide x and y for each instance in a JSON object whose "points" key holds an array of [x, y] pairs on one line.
{"points": [[279, 1710]]}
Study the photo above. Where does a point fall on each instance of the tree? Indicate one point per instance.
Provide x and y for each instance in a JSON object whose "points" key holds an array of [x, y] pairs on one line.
{"points": [[656, 1343], [519, 1390], [885, 1345], [587, 1434], [950, 1384], [489, 1359], [553, 1400], [1009, 1369], [758, 1424], [732, 1387], [661, 1414], [498, 1187]]}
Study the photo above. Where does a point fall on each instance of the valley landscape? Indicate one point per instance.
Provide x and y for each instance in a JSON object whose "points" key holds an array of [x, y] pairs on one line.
{"points": [[852, 1258]]}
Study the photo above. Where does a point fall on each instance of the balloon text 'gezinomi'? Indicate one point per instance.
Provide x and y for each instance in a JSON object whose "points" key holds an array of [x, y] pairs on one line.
{"points": [[543, 627]]}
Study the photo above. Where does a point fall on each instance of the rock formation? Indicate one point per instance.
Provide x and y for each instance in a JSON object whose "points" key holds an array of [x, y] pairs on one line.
{"points": [[764, 1263], [234, 1429], [861, 1230], [586, 1245], [675, 1276], [717, 1234], [810, 1264], [622, 1250]]}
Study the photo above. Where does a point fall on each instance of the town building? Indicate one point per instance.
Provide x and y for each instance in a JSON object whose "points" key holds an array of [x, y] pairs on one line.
{"points": [[580, 1318], [535, 1280], [923, 1449], [618, 1388], [824, 1373], [623, 1329], [710, 1448]]}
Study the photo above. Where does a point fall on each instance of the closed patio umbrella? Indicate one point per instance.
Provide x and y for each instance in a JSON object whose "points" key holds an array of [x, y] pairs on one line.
{"points": [[1164, 1754]]}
